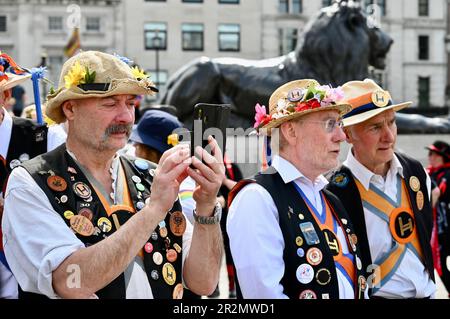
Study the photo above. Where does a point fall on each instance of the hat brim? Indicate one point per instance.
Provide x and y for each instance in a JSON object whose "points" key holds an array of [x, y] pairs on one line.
{"points": [[433, 149], [13, 80], [341, 108], [359, 118], [117, 87]]}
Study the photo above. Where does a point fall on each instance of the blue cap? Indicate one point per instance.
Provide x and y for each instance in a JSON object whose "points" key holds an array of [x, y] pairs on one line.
{"points": [[153, 129]]}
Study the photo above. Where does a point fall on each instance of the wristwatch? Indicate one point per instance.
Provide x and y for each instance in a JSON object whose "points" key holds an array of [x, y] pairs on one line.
{"points": [[209, 220]]}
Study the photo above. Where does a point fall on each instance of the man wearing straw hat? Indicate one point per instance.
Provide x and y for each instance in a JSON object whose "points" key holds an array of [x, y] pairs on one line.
{"points": [[387, 195], [83, 222], [290, 238], [20, 140]]}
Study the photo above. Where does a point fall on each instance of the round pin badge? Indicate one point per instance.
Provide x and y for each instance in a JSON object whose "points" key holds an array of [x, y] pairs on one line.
{"points": [[380, 98], [162, 223], [171, 255], [148, 247], [358, 263], [301, 216], [140, 187], [64, 199], [81, 225], [141, 164], [323, 276], [104, 224], [178, 292], [136, 179], [351, 241], [151, 172], [419, 200], [169, 274], [56, 183], [414, 183], [300, 252], [314, 256], [86, 212], [305, 273], [154, 236], [24, 157], [177, 247], [295, 95], [307, 294], [82, 190], [163, 232], [340, 180], [177, 223], [68, 214], [402, 224], [154, 274], [354, 238], [157, 258], [14, 163], [140, 205], [344, 221], [299, 241]]}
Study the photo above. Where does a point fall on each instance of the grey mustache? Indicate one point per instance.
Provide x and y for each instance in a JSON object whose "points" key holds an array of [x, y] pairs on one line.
{"points": [[118, 128]]}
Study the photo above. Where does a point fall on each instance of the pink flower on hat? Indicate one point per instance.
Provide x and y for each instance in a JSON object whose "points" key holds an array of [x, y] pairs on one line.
{"points": [[332, 95], [261, 116]]}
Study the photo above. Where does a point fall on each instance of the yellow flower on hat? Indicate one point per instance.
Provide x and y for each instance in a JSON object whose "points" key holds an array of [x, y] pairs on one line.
{"points": [[172, 139], [139, 74], [75, 75]]}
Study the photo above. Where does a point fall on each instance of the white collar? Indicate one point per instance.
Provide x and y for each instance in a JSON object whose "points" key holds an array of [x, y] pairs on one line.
{"points": [[364, 175], [5, 133], [289, 173]]}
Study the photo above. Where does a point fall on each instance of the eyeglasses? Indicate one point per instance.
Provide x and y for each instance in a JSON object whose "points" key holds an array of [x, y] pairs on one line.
{"points": [[329, 124]]}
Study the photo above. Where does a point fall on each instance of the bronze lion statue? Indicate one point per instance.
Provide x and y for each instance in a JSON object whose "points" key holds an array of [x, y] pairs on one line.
{"points": [[337, 46]]}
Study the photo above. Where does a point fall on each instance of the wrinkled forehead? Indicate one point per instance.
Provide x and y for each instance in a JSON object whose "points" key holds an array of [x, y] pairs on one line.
{"points": [[386, 116]]}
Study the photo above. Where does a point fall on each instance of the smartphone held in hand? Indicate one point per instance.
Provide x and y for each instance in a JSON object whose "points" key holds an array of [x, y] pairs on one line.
{"points": [[210, 119]]}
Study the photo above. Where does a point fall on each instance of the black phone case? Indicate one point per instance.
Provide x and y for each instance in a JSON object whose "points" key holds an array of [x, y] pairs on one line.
{"points": [[212, 116]]}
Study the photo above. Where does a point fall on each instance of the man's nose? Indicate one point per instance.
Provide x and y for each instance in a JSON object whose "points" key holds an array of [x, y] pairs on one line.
{"points": [[125, 113], [338, 134], [388, 134]]}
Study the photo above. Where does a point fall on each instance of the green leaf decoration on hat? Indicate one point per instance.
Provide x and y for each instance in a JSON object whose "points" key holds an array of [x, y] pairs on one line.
{"points": [[89, 77]]}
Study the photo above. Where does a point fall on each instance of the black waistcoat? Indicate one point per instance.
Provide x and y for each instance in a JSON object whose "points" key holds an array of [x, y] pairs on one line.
{"points": [[344, 187], [58, 162], [27, 137], [289, 205]]}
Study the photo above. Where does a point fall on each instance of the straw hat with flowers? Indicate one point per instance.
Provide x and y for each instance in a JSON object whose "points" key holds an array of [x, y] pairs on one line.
{"points": [[298, 98], [96, 74]]}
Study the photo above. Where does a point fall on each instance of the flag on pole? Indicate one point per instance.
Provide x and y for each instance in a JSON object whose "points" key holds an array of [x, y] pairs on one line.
{"points": [[74, 44]]}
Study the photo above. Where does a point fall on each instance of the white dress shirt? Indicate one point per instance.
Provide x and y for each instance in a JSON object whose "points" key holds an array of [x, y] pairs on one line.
{"points": [[411, 279], [256, 240], [37, 240], [56, 136]]}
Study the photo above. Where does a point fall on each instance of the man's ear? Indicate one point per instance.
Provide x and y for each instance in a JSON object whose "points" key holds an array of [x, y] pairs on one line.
{"points": [[288, 131], [67, 108], [348, 135]]}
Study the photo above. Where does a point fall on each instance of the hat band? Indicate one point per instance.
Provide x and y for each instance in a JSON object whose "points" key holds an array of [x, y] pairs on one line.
{"points": [[95, 86], [365, 108]]}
